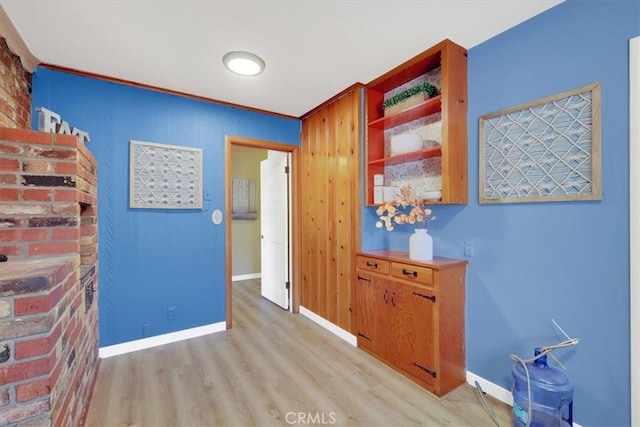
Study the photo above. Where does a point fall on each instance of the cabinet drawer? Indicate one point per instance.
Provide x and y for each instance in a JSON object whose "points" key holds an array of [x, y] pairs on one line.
{"points": [[412, 272], [373, 264]]}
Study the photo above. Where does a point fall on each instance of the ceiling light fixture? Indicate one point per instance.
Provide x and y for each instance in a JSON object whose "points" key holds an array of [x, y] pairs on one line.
{"points": [[243, 63]]}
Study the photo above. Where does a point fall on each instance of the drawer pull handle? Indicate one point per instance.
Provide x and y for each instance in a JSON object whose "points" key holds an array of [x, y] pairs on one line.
{"points": [[372, 264], [409, 273], [393, 298], [363, 278], [430, 297], [386, 300]]}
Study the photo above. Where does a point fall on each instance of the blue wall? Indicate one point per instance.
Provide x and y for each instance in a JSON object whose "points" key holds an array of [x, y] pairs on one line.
{"points": [[533, 261], [538, 261], [154, 259]]}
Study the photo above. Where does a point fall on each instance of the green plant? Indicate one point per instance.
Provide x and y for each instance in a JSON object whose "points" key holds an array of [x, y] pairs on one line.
{"points": [[423, 87]]}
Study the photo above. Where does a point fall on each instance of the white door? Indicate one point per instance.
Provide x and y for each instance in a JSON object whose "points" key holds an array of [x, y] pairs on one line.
{"points": [[274, 218]]}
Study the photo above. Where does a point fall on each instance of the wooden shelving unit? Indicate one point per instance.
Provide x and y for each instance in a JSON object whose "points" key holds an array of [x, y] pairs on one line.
{"points": [[451, 103]]}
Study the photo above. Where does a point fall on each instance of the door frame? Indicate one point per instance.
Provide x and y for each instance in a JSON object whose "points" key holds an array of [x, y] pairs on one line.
{"points": [[295, 235]]}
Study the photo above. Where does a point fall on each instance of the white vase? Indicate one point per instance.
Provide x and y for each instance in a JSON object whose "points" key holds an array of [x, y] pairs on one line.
{"points": [[421, 245]]}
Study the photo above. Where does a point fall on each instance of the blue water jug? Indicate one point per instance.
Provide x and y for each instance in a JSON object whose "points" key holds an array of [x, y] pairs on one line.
{"points": [[551, 395]]}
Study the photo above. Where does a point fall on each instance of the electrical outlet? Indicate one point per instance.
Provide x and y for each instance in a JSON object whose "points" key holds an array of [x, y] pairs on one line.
{"points": [[171, 313], [469, 248], [146, 330]]}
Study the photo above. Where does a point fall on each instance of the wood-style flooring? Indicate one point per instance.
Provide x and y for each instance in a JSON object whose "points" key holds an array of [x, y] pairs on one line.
{"points": [[272, 368]]}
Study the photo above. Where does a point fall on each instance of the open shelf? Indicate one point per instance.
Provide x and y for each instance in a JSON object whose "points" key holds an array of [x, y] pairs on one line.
{"points": [[445, 67], [408, 157], [426, 108]]}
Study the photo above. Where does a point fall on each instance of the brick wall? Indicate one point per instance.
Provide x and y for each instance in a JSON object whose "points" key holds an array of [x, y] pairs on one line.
{"points": [[15, 90], [46, 182], [48, 318]]}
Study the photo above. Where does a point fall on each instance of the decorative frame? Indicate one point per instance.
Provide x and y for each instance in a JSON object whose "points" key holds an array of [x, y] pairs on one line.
{"points": [[243, 199], [164, 176], [542, 151]]}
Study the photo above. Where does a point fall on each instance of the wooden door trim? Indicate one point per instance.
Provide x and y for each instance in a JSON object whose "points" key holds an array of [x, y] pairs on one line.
{"points": [[231, 140]]}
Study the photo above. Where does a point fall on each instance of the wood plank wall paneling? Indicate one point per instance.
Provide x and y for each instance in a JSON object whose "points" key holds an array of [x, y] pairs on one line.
{"points": [[330, 152]]}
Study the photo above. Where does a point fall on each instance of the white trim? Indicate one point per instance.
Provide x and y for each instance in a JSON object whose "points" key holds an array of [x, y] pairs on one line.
{"points": [[351, 339], [131, 346], [634, 228], [495, 391], [240, 277]]}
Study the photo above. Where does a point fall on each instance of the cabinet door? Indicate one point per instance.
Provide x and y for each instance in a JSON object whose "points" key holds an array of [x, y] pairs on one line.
{"points": [[366, 310], [412, 331]]}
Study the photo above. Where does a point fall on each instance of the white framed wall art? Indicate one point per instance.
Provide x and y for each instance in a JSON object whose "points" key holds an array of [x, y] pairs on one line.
{"points": [[164, 176]]}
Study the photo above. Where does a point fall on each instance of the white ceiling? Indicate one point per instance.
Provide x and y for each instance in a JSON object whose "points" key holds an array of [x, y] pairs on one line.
{"points": [[313, 49]]}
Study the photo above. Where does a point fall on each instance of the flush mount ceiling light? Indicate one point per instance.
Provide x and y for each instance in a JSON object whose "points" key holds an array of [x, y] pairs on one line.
{"points": [[243, 63]]}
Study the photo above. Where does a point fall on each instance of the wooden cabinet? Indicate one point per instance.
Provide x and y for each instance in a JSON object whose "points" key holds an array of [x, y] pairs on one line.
{"points": [[410, 315], [441, 121]]}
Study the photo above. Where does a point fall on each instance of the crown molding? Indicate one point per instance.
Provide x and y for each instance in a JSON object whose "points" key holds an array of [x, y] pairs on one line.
{"points": [[16, 43]]}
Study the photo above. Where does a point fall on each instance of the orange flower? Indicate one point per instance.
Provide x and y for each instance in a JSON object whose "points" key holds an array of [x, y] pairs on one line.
{"points": [[390, 213]]}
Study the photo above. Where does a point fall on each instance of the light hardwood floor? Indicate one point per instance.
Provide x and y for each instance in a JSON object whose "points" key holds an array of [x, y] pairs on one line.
{"points": [[271, 369]]}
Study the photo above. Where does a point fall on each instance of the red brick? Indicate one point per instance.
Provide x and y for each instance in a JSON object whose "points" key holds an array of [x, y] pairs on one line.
{"points": [[12, 165], [22, 235], [40, 195], [73, 324], [11, 149], [22, 135], [65, 195], [65, 233], [8, 179], [53, 248], [4, 108], [38, 346], [31, 305], [32, 390], [11, 251], [37, 304], [52, 153], [9, 194], [68, 276], [67, 140], [89, 230], [66, 168], [24, 370]]}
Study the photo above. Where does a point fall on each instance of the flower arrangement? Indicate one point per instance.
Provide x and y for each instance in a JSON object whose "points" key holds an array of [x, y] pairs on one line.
{"points": [[396, 212]]}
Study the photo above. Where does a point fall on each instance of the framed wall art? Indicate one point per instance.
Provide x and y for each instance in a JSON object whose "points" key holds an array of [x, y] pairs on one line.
{"points": [[545, 150], [243, 195], [164, 176]]}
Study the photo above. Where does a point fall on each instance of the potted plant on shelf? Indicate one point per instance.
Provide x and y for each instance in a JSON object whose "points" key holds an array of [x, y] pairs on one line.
{"points": [[408, 98], [408, 208]]}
